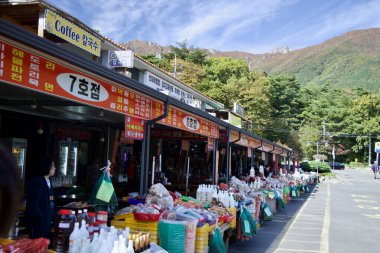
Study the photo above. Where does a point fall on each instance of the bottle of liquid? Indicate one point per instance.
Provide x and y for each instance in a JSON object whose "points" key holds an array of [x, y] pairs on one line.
{"points": [[137, 245], [73, 217], [122, 244], [80, 216], [83, 230], [63, 230], [75, 239], [198, 192], [115, 248], [86, 247], [130, 247], [148, 243]]}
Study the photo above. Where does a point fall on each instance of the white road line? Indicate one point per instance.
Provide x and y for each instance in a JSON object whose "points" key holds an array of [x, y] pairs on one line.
{"points": [[326, 225], [295, 250]]}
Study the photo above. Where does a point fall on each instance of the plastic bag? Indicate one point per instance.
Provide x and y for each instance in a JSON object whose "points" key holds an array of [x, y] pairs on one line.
{"points": [[266, 214], [250, 219], [217, 244], [245, 225], [39, 245], [103, 194], [158, 190]]}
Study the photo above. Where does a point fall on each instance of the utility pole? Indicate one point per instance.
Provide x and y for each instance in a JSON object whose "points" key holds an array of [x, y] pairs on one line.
{"points": [[175, 64], [369, 151]]}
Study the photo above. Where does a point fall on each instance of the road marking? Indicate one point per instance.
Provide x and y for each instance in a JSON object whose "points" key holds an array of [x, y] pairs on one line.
{"points": [[326, 225], [295, 250], [359, 196], [299, 241], [306, 228], [365, 201], [372, 216], [377, 208]]}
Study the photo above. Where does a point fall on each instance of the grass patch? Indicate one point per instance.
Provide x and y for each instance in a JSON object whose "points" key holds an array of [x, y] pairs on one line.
{"points": [[327, 174]]}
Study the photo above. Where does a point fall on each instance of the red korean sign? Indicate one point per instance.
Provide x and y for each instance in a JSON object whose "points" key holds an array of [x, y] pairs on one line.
{"points": [[134, 128], [185, 121], [22, 68]]}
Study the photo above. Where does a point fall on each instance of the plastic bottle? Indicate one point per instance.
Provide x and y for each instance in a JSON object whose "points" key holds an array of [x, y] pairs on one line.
{"points": [[94, 243], [73, 217], [80, 216], [130, 247], [75, 239], [115, 248], [126, 232], [90, 223], [86, 247], [198, 192], [122, 244], [83, 230]]}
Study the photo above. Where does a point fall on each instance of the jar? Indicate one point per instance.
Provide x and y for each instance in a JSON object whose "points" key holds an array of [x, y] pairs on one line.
{"points": [[63, 230], [102, 216]]}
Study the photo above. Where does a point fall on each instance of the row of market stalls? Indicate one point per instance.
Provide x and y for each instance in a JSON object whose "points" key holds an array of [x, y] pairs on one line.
{"points": [[70, 93], [84, 113]]}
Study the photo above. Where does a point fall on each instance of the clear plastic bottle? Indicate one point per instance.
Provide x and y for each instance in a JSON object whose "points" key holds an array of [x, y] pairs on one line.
{"points": [[75, 239], [83, 230]]}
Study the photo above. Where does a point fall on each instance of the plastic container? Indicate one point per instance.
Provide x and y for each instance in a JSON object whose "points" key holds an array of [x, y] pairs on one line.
{"points": [[102, 216], [146, 216], [63, 229]]}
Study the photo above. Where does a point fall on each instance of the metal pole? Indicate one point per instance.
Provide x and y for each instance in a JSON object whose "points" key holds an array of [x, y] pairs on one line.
{"points": [[318, 158], [369, 151], [228, 155], [214, 162], [187, 176]]}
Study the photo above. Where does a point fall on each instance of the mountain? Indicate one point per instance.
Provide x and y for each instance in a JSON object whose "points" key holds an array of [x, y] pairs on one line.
{"points": [[351, 60]]}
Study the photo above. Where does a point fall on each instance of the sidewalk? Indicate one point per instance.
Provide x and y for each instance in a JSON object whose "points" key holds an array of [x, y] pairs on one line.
{"points": [[309, 229], [271, 233]]}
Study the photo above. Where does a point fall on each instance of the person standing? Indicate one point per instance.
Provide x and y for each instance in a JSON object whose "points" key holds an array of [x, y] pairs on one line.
{"points": [[39, 200], [10, 190]]}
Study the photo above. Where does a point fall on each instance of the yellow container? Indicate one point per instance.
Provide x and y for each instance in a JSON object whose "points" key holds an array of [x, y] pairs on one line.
{"points": [[123, 216]]}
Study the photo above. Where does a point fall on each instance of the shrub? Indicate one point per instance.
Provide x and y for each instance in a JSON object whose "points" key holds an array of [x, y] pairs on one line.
{"points": [[312, 166]]}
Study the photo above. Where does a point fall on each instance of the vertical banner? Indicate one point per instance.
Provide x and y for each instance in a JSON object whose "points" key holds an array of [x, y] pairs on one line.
{"points": [[210, 144], [185, 145], [134, 128], [217, 167]]}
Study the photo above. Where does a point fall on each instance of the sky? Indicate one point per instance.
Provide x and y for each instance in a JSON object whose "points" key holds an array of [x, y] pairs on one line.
{"points": [[255, 26]]}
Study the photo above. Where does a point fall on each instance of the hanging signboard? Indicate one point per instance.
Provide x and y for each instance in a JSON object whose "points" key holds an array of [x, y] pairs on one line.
{"points": [[180, 119], [20, 67], [175, 134], [66, 30], [377, 147], [234, 120], [122, 58], [169, 89], [239, 110], [134, 128], [125, 140], [210, 144]]}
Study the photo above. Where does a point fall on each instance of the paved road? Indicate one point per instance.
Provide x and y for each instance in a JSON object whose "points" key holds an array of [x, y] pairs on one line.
{"points": [[341, 215]]}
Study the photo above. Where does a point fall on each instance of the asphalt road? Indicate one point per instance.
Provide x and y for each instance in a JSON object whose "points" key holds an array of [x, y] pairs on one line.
{"points": [[340, 215]]}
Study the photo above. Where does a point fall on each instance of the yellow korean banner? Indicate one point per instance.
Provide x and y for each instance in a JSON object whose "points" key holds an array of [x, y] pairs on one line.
{"points": [[66, 30]]}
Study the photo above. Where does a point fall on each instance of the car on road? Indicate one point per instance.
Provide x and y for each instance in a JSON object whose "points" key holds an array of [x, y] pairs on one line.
{"points": [[336, 165]]}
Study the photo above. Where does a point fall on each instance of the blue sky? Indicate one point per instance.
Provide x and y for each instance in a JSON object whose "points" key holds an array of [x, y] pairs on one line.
{"points": [[255, 26]]}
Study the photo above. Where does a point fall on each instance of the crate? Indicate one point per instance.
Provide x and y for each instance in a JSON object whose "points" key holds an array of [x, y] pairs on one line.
{"points": [[201, 237], [150, 227], [122, 216]]}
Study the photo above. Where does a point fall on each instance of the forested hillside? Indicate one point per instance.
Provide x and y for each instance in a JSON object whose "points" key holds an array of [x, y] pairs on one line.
{"points": [[280, 108]]}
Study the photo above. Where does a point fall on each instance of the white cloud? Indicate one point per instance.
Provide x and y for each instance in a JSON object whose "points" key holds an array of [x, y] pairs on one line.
{"points": [[221, 24]]}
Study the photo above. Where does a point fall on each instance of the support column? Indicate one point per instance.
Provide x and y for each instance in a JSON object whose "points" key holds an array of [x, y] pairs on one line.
{"points": [[144, 171], [214, 161]]}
